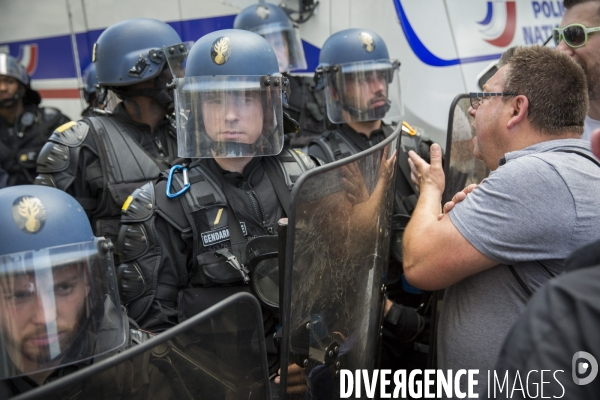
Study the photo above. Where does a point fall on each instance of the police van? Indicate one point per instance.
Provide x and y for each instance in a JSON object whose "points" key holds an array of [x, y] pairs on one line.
{"points": [[444, 46]]}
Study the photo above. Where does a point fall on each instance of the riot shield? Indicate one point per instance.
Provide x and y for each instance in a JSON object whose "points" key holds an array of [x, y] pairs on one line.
{"points": [[218, 354], [461, 166], [337, 253]]}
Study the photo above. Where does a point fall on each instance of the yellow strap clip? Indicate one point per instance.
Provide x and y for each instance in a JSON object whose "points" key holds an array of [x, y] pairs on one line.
{"points": [[408, 129]]}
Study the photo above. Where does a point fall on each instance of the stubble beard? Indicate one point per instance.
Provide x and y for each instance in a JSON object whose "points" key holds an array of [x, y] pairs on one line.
{"points": [[593, 82]]}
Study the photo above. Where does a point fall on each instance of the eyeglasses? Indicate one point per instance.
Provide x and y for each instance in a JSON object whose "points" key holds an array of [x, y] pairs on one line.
{"points": [[575, 35], [477, 98]]}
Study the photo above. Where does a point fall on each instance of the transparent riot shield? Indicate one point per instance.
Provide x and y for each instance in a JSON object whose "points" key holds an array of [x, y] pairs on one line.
{"points": [[218, 354], [461, 166], [337, 254]]}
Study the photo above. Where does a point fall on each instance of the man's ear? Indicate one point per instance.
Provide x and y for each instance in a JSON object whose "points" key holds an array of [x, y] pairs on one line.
{"points": [[520, 107]]}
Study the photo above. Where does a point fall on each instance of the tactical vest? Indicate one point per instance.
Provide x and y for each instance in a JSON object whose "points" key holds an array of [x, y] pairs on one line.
{"points": [[206, 217], [124, 167]]}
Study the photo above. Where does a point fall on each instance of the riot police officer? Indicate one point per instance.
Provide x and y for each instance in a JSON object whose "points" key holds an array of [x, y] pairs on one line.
{"points": [[24, 126], [362, 87], [183, 238], [304, 104], [59, 304], [101, 159]]}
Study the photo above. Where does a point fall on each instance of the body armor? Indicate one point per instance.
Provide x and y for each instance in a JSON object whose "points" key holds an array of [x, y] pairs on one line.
{"points": [[20, 143], [202, 214], [122, 166]]}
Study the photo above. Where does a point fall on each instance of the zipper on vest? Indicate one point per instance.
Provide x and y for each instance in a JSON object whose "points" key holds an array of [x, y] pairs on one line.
{"points": [[258, 208]]}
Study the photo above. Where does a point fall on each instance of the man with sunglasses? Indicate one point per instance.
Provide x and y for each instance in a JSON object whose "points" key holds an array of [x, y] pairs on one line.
{"points": [[513, 232], [577, 37], [101, 159]]}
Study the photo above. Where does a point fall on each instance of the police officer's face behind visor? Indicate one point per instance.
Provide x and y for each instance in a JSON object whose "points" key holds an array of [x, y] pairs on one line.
{"points": [[40, 314], [366, 90], [233, 117], [280, 44]]}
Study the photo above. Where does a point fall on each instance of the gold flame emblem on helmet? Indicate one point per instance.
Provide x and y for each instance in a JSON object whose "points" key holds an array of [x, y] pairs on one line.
{"points": [[262, 12], [221, 50], [29, 214], [367, 41]]}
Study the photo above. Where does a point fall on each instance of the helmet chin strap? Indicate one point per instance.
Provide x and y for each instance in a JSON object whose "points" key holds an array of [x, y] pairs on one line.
{"points": [[368, 114], [7, 103]]}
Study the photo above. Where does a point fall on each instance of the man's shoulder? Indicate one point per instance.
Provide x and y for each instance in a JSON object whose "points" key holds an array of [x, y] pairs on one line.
{"points": [[152, 200]]}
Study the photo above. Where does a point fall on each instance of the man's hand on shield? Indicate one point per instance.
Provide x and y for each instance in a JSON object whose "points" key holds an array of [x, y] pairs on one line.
{"points": [[296, 381], [458, 197], [428, 177], [354, 184]]}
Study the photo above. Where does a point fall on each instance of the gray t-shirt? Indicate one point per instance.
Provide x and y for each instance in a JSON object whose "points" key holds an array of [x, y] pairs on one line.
{"points": [[540, 204]]}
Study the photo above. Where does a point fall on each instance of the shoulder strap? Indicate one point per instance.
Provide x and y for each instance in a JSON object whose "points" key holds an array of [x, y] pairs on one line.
{"points": [[523, 285], [592, 159], [321, 141], [281, 189], [337, 141], [126, 160], [518, 278]]}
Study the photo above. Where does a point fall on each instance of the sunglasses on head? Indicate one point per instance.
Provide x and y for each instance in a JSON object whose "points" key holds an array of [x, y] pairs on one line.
{"points": [[574, 35]]}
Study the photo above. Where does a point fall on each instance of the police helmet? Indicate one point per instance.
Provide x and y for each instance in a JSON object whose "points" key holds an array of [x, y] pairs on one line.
{"points": [[229, 104], [130, 51], [361, 82], [59, 301], [10, 66], [272, 23], [90, 80]]}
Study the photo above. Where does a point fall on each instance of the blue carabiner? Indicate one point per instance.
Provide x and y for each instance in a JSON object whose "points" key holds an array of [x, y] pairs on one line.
{"points": [[186, 182]]}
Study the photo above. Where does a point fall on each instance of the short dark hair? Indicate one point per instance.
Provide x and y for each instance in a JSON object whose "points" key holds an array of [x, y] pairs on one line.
{"points": [[571, 3], [554, 84]]}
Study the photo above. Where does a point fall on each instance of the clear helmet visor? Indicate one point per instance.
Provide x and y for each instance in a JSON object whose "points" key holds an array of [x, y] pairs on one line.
{"points": [[58, 306], [9, 66], [365, 91], [176, 56], [229, 116], [287, 44]]}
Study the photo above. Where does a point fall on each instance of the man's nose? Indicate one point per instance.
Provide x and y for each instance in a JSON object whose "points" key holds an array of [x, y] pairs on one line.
{"points": [[565, 48], [472, 111], [3, 86], [231, 112], [45, 310], [377, 85]]}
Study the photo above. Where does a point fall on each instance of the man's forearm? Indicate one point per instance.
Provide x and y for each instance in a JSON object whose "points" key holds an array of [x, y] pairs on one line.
{"points": [[419, 237]]}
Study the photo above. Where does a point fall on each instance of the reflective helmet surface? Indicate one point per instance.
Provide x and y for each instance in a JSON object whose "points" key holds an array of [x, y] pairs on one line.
{"points": [[361, 82], [10, 66], [272, 23], [90, 80], [229, 102], [352, 46], [59, 301], [130, 51]]}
